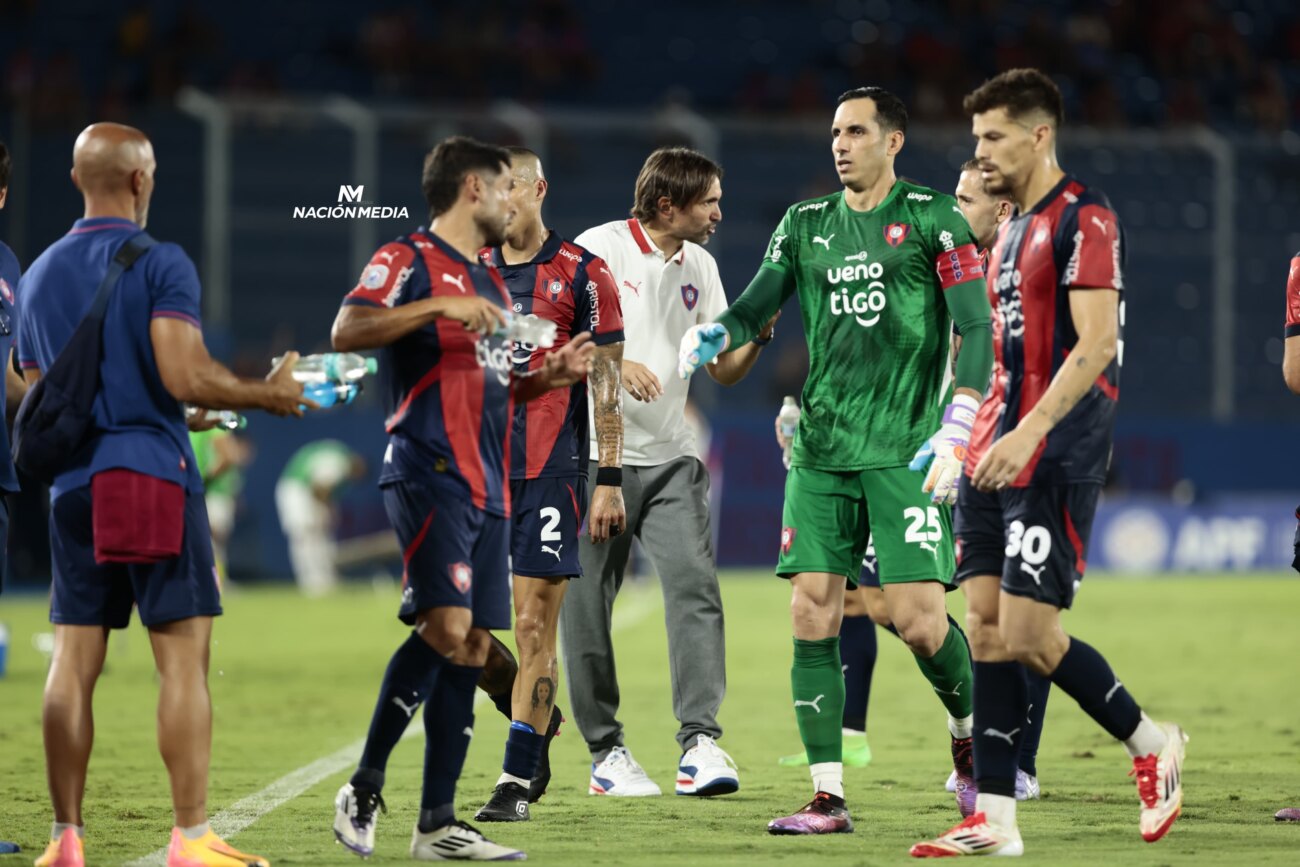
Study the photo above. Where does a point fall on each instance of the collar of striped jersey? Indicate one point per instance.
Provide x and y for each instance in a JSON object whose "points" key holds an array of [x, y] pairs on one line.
{"points": [[644, 243], [445, 247], [1053, 194], [550, 249]]}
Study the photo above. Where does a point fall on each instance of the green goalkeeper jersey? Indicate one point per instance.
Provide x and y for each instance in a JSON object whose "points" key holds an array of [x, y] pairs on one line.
{"points": [[876, 292]]}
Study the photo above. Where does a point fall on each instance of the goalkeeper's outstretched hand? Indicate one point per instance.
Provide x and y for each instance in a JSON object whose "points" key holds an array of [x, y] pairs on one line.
{"points": [[945, 452], [700, 345]]}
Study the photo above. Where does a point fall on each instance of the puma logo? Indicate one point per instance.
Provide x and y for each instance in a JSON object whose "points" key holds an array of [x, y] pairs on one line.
{"points": [[458, 281], [825, 242], [635, 289], [410, 709], [388, 255], [1006, 736], [556, 551], [1114, 689], [1036, 574], [1100, 223], [814, 704], [956, 690]]}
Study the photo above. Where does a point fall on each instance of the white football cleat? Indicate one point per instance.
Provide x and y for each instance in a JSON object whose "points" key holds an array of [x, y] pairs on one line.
{"points": [[706, 769], [621, 776], [974, 836], [354, 819], [1027, 787], [1160, 784], [459, 841]]}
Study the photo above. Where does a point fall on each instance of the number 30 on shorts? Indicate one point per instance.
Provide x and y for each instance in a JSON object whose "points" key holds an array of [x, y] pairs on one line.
{"points": [[1031, 544], [923, 526]]}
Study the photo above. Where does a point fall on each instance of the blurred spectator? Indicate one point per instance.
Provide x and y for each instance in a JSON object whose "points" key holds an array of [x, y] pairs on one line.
{"points": [[305, 497]]}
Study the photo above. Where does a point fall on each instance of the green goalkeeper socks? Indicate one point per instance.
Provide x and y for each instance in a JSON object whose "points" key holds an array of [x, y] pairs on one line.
{"points": [[817, 684], [949, 672]]}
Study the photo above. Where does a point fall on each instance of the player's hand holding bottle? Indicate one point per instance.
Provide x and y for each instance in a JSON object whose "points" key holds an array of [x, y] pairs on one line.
{"points": [[475, 313], [700, 345], [945, 452]]}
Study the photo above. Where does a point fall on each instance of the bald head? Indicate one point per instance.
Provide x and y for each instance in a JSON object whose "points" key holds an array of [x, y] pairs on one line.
{"points": [[113, 167], [525, 164]]}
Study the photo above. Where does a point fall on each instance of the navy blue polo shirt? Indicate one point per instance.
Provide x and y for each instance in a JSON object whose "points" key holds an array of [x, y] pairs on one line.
{"points": [[9, 274], [139, 425]]}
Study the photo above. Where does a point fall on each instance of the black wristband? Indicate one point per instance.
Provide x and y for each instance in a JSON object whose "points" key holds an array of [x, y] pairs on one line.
{"points": [[763, 341], [610, 477]]}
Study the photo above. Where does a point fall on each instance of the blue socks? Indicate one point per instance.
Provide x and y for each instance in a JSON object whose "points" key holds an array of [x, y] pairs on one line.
{"points": [[523, 751], [410, 678], [1001, 696], [1087, 678], [858, 659], [448, 726]]}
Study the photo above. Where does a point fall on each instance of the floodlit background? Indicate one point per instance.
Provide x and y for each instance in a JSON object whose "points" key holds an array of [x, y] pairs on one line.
{"points": [[1184, 113]]}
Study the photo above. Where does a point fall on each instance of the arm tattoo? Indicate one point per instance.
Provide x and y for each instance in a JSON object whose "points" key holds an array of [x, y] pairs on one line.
{"points": [[607, 403]]}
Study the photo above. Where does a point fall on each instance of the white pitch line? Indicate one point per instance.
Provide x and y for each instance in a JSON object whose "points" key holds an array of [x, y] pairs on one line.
{"points": [[246, 811]]}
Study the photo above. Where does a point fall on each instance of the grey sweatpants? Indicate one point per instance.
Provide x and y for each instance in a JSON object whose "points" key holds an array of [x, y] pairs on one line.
{"points": [[668, 510]]}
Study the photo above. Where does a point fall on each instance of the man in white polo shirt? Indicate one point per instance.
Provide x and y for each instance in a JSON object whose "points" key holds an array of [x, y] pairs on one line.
{"points": [[667, 284]]}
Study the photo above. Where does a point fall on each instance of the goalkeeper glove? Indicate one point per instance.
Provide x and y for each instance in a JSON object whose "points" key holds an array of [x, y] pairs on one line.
{"points": [[945, 452], [700, 345]]}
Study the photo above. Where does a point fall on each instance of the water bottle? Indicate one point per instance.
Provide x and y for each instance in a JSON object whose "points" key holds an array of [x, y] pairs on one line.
{"points": [[530, 329], [329, 394], [228, 419], [336, 367], [4, 648], [788, 420]]}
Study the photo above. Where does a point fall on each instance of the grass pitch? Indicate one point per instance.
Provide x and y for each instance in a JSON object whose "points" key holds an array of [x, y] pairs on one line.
{"points": [[294, 680]]}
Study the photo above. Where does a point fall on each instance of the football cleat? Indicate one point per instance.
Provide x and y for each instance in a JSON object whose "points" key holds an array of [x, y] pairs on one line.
{"points": [[1287, 814], [354, 819], [621, 776], [208, 851], [1160, 784], [824, 814], [1027, 787], [63, 852], [963, 766], [459, 841], [542, 778], [856, 753], [974, 836], [509, 803], [706, 769]]}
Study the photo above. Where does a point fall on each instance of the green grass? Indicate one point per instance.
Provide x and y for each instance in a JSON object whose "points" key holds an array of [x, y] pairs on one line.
{"points": [[294, 680]]}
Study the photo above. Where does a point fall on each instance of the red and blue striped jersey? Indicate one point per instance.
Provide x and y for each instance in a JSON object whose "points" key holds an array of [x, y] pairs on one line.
{"points": [[573, 288], [446, 390], [1071, 240]]}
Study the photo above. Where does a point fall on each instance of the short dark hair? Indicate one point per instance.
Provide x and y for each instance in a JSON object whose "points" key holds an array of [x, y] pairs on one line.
{"points": [[5, 166], [521, 151], [971, 165], [1020, 92], [450, 161], [891, 114], [681, 174]]}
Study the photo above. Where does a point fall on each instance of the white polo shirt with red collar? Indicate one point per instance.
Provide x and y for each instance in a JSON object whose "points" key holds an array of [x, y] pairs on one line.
{"points": [[662, 297]]}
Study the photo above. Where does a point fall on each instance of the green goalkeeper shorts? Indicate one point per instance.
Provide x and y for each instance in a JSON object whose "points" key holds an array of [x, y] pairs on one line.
{"points": [[829, 517]]}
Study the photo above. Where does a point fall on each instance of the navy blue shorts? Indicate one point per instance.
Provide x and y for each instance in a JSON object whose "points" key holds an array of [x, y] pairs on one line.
{"points": [[1036, 538], [870, 575], [453, 553], [86, 593], [548, 517]]}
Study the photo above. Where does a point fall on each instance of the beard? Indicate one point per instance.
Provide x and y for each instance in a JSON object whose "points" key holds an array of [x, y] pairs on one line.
{"points": [[493, 229], [1000, 186]]}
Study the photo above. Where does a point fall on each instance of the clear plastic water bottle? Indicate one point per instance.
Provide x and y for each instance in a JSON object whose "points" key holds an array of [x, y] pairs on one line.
{"points": [[4, 648], [530, 329], [788, 420], [228, 419], [329, 394], [336, 367]]}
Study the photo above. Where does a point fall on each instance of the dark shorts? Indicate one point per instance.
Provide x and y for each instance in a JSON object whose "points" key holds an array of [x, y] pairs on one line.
{"points": [[453, 553], [548, 516], [86, 593], [870, 574], [1036, 538]]}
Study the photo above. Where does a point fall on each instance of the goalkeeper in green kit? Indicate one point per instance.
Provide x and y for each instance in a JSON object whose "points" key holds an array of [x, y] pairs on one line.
{"points": [[883, 270]]}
